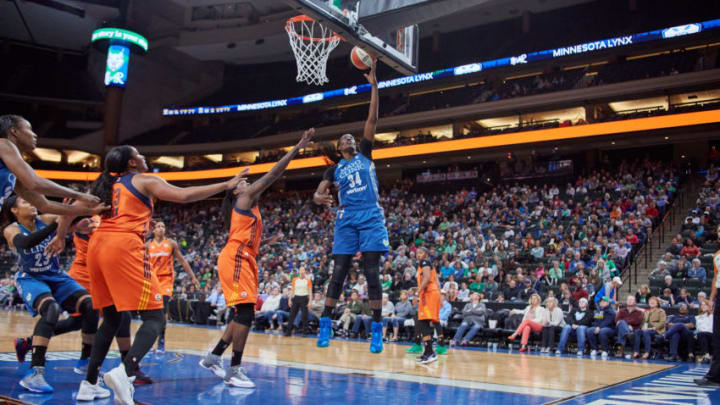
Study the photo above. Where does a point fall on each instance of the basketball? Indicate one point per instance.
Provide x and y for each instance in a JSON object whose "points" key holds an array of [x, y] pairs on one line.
{"points": [[361, 59]]}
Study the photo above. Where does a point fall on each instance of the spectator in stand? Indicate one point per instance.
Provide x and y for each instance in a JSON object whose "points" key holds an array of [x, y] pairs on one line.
{"points": [[609, 290], [690, 250], [684, 298], [364, 318], [474, 315], [670, 284], [555, 271], [538, 252], [653, 324], [567, 300], [477, 286], [703, 331], [533, 315], [270, 305], [603, 326], [679, 330], [702, 296], [511, 291], [445, 311], [667, 299], [553, 320], [628, 321], [526, 292], [464, 293], [388, 313], [352, 310], [282, 313], [403, 312], [643, 294], [697, 272], [577, 321]]}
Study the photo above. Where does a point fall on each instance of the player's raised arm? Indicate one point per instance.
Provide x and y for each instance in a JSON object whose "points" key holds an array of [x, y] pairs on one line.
{"points": [[10, 155], [162, 190], [260, 185], [371, 123], [51, 207]]}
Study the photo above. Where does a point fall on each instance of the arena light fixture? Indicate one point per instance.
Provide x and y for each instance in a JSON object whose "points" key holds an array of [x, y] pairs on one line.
{"points": [[483, 142]]}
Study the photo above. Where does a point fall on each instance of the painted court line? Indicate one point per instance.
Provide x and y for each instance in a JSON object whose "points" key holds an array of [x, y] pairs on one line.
{"points": [[405, 377]]}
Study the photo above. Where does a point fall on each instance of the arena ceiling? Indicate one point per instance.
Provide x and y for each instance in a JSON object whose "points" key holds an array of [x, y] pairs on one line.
{"points": [[235, 32]]}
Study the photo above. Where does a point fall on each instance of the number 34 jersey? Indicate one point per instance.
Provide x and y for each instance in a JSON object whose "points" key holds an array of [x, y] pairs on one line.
{"points": [[34, 260], [356, 180]]}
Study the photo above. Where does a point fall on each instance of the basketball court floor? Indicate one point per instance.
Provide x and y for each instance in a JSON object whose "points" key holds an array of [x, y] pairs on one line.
{"points": [[294, 371]]}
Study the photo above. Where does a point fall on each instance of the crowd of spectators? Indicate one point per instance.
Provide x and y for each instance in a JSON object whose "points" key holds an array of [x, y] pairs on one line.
{"points": [[564, 246]]}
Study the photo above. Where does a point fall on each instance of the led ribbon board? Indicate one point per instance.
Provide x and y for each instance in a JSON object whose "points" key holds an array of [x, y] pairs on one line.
{"points": [[120, 35], [666, 33], [118, 53], [453, 145]]}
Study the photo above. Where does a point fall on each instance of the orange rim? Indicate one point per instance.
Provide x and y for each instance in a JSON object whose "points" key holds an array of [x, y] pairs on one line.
{"points": [[302, 18]]}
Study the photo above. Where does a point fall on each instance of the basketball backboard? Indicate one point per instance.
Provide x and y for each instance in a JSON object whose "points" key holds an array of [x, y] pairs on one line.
{"points": [[397, 46]]}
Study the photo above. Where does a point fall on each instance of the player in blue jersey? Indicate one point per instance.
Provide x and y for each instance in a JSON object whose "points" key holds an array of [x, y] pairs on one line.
{"points": [[16, 137], [44, 287], [360, 221]]}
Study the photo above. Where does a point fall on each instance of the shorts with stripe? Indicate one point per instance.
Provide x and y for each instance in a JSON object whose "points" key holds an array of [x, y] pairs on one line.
{"points": [[120, 273], [238, 274]]}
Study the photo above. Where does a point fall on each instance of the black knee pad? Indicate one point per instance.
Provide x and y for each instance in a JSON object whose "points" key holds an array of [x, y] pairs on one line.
{"points": [[124, 329], [70, 303], [371, 267], [340, 269], [90, 317], [424, 328], [49, 312], [154, 319], [244, 314]]}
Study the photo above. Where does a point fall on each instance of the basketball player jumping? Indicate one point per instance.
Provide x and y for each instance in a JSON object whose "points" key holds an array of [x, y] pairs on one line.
{"points": [[237, 267], [161, 251], [360, 221]]}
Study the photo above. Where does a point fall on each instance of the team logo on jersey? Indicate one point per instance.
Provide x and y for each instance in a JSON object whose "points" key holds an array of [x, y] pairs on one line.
{"points": [[243, 294], [158, 297], [386, 243], [28, 297]]}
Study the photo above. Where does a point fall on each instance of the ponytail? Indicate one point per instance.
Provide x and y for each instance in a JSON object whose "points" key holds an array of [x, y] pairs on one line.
{"points": [[116, 161], [7, 216], [102, 187], [227, 208]]}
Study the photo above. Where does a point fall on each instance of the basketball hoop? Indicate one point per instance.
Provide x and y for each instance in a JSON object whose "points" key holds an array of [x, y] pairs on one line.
{"points": [[311, 43]]}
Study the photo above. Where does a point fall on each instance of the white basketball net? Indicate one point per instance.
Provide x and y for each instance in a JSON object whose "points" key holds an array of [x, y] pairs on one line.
{"points": [[311, 43]]}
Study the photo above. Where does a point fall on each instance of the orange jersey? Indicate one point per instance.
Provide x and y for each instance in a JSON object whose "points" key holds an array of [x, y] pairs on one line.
{"points": [[160, 256], [120, 273], [237, 267], [131, 211], [432, 285], [161, 262], [246, 229], [430, 299], [78, 270]]}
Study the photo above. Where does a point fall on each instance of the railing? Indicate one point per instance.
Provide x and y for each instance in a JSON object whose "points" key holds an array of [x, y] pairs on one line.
{"points": [[630, 272]]}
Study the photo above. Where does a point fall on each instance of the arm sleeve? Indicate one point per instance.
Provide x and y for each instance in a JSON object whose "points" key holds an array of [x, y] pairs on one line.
{"points": [[329, 174], [366, 148], [27, 241]]}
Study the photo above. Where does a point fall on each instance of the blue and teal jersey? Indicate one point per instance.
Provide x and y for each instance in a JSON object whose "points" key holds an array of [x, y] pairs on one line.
{"points": [[7, 182], [34, 260], [356, 180]]}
